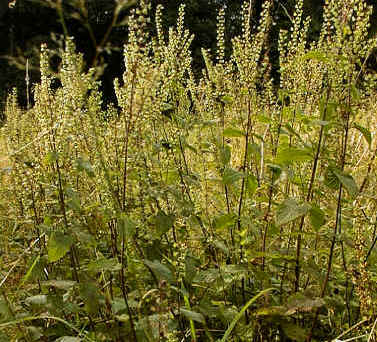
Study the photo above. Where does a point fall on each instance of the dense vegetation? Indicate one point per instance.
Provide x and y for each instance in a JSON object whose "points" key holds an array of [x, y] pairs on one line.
{"points": [[224, 207]]}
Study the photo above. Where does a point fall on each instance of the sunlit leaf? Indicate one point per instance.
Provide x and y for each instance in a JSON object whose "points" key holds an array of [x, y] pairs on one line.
{"points": [[58, 246], [347, 181], [224, 221], [68, 339], [292, 154], [38, 300], [317, 217], [299, 302], [290, 210], [231, 132], [365, 132]]}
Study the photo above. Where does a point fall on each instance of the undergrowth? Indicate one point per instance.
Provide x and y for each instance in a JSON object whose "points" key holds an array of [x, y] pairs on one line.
{"points": [[211, 209]]}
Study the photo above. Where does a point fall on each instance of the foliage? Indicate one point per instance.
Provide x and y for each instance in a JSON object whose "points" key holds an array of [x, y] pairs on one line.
{"points": [[196, 209]]}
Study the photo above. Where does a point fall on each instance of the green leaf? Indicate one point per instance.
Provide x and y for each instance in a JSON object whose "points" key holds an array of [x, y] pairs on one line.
{"points": [[224, 221], [347, 181], [193, 316], [231, 132], [38, 300], [91, 297], [58, 246], [51, 157], [103, 264], [231, 176], [191, 267], [251, 184], [4, 337], [163, 222], [59, 284], [127, 226], [68, 339], [290, 210], [318, 56], [160, 271], [225, 155], [292, 154], [226, 99], [317, 217], [30, 271], [331, 180], [84, 165], [207, 276], [5, 313], [73, 199], [294, 332], [221, 246], [301, 303], [271, 311], [365, 132]]}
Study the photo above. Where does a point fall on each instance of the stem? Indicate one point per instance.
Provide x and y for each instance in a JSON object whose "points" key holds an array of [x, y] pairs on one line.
{"points": [[309, 194], [338, 211]]}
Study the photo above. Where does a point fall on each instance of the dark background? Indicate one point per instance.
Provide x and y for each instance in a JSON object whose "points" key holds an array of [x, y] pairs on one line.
{"points": [[28, 23]]}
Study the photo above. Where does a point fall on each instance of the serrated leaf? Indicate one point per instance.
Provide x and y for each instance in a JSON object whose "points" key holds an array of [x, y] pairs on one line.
{"points": [[317, 217], [193, 316], [290, 210], [299, 302], [331, 180], [58, 246], [231, 132], [365, 132], [290, 155], [161, 271], [38, 300], [207, 276]]}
